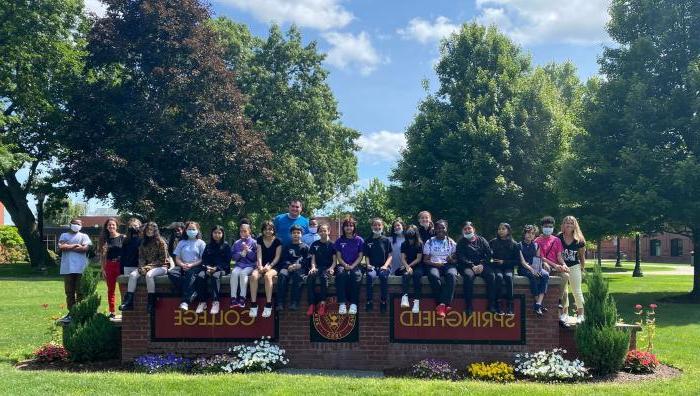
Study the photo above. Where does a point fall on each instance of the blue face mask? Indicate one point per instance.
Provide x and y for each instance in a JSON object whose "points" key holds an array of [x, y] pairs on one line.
{"points": [[547, 230], [192, 234], [469, 236]]}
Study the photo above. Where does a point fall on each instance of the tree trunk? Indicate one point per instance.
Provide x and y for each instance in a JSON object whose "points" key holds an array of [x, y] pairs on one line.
{"points": [[696, 265], [14, 198], [618, 254]]}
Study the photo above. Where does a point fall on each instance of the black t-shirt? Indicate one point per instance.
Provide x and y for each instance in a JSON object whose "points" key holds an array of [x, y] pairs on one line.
{"points": [[114, 247], [294, 253], [507, 250], [268, 253], [218, 255], [411, 250], [570, 253], [474, 252], [377, 250], [130, 253], [426, 233], [324, 253]]}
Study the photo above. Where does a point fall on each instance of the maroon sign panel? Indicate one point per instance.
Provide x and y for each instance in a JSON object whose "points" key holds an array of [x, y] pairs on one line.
{"points": [[169, 323], [481, 327]]}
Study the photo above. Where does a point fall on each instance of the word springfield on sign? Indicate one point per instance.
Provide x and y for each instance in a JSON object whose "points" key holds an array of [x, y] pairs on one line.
{"points": [[456, 319]]}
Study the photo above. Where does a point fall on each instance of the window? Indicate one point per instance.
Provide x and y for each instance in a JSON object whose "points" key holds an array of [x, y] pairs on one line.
{"points": [[655, 247], [676, 247]]}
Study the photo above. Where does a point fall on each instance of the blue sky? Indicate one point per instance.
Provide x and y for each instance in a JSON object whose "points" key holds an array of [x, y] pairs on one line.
{"points": [[378, 52]]}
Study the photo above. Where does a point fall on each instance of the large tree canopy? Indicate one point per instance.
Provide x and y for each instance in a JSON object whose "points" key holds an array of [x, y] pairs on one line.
{"points": [[488, 145], [642, 149], [290, 101], [41, 52], [159, 127]]}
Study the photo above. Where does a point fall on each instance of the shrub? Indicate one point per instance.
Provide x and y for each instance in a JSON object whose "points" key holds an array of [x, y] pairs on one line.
{"points": [[85, 309], [12, 248], [433, 369], [640, 362], [51, 352], [600, 344], [162, 363], [549, 366], [496, 371], [212, 365], [93, 340], [261, 356]]}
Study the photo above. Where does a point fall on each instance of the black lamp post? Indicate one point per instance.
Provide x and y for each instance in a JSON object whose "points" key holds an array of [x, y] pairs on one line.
{"points": [[637, 273]]}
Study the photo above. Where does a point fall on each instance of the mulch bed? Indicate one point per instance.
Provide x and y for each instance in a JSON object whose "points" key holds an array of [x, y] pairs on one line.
{"points": [[106, 365], [662, 372]]}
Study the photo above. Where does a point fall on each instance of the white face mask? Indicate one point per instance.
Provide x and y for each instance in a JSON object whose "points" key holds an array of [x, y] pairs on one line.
{"points": [[424, 223], [468, 236], [547, 230], [75, 227], [377, 232], [313, 230]]}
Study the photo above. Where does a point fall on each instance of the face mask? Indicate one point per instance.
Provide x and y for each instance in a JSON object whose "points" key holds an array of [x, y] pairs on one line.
{"points": [[398, 231], [75, 227], [377, 232], [547, 230], [424, 223], [468, 236], [192, 234], [313, 230], [410, 234]]}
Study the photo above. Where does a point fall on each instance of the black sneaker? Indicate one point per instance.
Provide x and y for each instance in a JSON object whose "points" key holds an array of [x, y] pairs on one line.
{"points": [[111, 315], [382, 307], [538, 310], [493, 310], [369, 306], [294, 306], [279, 308], [468, 310]]}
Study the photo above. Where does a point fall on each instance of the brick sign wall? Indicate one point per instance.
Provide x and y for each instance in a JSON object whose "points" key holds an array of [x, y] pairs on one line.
{"points": [[371, 340]]}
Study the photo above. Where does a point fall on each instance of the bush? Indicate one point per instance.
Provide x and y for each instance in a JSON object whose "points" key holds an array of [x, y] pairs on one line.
{"points": [[162, 363], [433, 369], [85, 309], [600, 344], [212, 365], [89, 281], [640, 362], [12, 248], [549, 366], [497, 371], [51, 352], [261, 356], [96, 339]]}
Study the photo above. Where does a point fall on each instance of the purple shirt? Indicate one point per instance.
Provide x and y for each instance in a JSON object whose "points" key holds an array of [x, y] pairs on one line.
{"points": [[349, 249], [248, 260]]}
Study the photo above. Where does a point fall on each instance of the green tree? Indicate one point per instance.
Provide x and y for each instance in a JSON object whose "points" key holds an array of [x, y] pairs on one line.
{"points": [[368, 203], [42, 58], [643, 144], [60, 212], [290, 100], [488, 145], [169, 138]]}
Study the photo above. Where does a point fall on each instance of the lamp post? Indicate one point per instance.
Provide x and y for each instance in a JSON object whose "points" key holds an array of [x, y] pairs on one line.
{"points": [[637, 273]]}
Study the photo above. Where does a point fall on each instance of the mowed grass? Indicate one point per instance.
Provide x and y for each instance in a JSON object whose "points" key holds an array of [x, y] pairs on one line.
{"points": [[24, 323]]}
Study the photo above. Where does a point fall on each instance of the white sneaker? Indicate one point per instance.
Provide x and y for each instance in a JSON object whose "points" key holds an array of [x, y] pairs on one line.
{"points": [[564, 318], [416, 307], [352, 310], [184, 306], [267, 311], [580, 319], [342, 309], [201, 307], [253, 312], [404, 301], [214, 308]]}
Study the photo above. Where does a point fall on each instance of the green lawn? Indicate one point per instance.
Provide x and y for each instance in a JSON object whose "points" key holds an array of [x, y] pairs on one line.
{"points": [[23, 325]]}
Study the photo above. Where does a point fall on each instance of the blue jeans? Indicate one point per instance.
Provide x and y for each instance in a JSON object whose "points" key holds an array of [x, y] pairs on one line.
{"points": [[538, 284], [347, 285], [383, 276]]}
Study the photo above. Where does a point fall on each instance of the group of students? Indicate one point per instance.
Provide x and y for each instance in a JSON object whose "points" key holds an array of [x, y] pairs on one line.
{"points": [[299, 251]]}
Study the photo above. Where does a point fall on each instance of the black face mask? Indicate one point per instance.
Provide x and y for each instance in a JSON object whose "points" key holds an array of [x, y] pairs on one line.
{"points": [[410, 234], [134, 230]]}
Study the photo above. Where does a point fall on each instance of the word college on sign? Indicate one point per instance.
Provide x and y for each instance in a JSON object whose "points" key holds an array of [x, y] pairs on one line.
{"points": [[169, 323], [480, 327]]}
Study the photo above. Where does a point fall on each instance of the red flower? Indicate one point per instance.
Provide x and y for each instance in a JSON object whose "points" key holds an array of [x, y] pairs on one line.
{"points": [[638, 306], [652, 306], [45, 305]]}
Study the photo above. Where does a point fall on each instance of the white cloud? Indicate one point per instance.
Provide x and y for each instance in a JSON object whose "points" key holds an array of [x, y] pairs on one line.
{"points": [[580, 22], [317, 14], [348, 50], [381, 146], [425, 31], [96, 7]]}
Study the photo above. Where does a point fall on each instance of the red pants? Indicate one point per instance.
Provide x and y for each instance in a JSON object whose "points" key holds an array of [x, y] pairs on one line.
{"points": [[112, 271]]}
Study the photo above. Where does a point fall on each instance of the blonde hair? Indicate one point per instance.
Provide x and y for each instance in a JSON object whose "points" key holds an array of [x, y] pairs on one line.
{"points": [[578, 234]]}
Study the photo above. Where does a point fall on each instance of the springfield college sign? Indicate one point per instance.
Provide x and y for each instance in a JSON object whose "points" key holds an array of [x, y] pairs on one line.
{"points": [[168, 323]]}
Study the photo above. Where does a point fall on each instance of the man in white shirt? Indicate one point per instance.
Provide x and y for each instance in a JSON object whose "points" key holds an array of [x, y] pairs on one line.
{"points": [[73, 246]]}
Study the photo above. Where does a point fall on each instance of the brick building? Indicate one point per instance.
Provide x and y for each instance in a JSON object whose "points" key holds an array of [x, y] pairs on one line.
{"points": [[662, 248]]}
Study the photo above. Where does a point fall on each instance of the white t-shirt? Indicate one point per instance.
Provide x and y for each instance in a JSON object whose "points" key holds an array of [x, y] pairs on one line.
{"points": [[439, 250], [73, 262], [190, 250]]}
